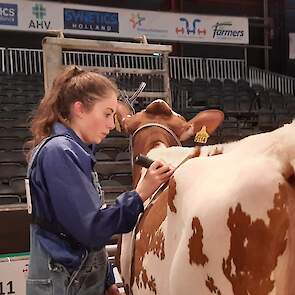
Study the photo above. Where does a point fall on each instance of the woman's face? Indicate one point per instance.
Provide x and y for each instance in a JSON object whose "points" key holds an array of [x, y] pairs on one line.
{"points": [[93, 125]]}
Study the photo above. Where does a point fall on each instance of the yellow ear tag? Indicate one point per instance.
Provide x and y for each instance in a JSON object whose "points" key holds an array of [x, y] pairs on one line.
{"points": [[202, 136]]}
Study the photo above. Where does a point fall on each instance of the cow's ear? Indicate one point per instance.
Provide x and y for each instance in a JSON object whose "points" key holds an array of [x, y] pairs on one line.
{"points": [[159, 107], [210, 119]]}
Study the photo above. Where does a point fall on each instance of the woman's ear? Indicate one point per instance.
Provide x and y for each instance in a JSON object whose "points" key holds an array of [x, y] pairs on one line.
{"points": [[78, 109]]}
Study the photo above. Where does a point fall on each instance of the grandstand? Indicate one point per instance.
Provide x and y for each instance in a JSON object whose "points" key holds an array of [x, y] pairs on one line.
{"points": [[254, 99], [249, 105]]}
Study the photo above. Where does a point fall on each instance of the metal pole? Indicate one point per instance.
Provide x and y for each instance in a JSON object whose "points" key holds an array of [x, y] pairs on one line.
{"points": [[52, 62], [266, 34], [246, 71]]}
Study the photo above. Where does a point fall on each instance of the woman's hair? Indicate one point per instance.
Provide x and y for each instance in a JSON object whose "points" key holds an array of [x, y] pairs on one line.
{"points": [[71, 85]]}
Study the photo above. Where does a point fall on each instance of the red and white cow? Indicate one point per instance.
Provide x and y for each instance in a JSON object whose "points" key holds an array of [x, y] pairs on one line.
{"points": [[225, 225]]}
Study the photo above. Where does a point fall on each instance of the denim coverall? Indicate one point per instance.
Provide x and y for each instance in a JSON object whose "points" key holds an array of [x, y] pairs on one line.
{"points": [[66, 194]]}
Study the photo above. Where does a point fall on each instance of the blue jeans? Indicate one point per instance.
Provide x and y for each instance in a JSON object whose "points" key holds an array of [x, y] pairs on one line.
{"points": [[47, 277]]}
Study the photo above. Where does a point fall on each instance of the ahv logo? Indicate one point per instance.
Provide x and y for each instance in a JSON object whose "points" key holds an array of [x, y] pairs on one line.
{"points": [[39, 11], [190, 28], [136, 20]]}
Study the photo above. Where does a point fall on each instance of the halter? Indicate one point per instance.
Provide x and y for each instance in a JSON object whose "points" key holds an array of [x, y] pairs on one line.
{"points": [[161, 126], [168, 130]]}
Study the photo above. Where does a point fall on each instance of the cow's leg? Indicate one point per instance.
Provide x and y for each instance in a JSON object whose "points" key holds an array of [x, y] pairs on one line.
{"points": [[126, 259]]}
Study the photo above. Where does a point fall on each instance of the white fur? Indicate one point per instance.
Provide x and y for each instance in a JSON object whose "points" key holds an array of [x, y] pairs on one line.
{"points": [[248, 172]]}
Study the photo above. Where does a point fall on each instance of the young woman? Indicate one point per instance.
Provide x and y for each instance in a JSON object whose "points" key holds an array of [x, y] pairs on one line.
{"points": [[70, 227]]}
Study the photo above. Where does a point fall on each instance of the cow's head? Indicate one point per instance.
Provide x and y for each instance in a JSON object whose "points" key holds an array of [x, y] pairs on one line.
{"points": [[159, 112], [158, 125]]}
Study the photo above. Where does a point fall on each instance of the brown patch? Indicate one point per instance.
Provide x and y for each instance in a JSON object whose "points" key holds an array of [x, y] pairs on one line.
{"points": [[195, 244], [255, 247], [171, 194], [217, 151], [211, 286], [151, 240], [196, 153]]}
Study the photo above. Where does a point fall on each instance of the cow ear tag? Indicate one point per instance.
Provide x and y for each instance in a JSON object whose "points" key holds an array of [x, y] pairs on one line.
{"points": [[202, 136]]}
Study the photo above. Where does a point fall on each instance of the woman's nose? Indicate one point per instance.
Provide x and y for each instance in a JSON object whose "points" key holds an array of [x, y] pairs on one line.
{"points": [[111, 124]]}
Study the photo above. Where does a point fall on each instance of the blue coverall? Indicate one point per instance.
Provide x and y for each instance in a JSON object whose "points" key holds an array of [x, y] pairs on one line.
{"points": [[66, 195]]}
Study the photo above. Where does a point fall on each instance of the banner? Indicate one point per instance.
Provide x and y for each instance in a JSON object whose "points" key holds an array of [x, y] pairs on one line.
{"points": [[184, 27], [13, 274], [291, 45], [122, 23]]}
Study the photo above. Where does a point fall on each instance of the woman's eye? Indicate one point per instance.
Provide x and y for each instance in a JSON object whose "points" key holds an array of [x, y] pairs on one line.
{"points": [[108, 115]]}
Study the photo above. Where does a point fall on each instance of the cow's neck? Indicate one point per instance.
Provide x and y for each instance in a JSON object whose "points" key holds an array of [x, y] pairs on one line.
{"points": [[145, 141]]}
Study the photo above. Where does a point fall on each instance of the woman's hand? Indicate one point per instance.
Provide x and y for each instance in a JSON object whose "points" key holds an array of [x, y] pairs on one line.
{"points": [[112, 290], [158, 173]]}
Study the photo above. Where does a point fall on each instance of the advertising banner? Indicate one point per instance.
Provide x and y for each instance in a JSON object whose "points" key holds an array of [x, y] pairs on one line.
{"points": [[40, 16], [13, 274], [291, 45], [8, 14], [184, 27]]}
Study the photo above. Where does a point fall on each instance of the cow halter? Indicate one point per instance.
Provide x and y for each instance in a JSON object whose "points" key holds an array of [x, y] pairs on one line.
{"points": [[161, 126], [146, 126]]}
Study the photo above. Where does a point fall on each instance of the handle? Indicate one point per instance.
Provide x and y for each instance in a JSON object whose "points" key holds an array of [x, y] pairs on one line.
{"points": [[143, 161]]}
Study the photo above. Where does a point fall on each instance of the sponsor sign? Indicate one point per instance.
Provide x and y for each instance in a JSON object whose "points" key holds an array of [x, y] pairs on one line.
{"points": [[291, 45], [13, 274], [215, 29], [39, 16], [79, 19], [8, 14], [146, 23], [90, 20], [184, 27]]}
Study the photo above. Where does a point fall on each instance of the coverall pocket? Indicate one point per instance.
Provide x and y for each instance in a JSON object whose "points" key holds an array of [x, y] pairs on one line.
{"points": [[39, 286]]}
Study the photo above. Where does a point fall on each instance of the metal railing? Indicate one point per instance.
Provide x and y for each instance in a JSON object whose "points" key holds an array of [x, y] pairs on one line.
{"points": [[269, 80], [186, 68], [24, 60], [30, 61], [97, 59], [2, 60], [221, 69]]}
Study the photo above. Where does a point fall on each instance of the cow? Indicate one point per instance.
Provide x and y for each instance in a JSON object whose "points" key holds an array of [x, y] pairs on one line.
{"points": [[164, 128], [224, 225]]}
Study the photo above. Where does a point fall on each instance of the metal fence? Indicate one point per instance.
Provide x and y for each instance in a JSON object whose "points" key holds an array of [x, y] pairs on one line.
{"points": [[186, 68], [3, 63], [221, 69], [269, 80], [97, 59], [30, 61], [24, 60]]}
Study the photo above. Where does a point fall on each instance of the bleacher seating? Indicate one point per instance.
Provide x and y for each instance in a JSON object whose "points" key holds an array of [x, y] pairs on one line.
{"points": [[248, 110], [263, 109], [19, 96]]}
